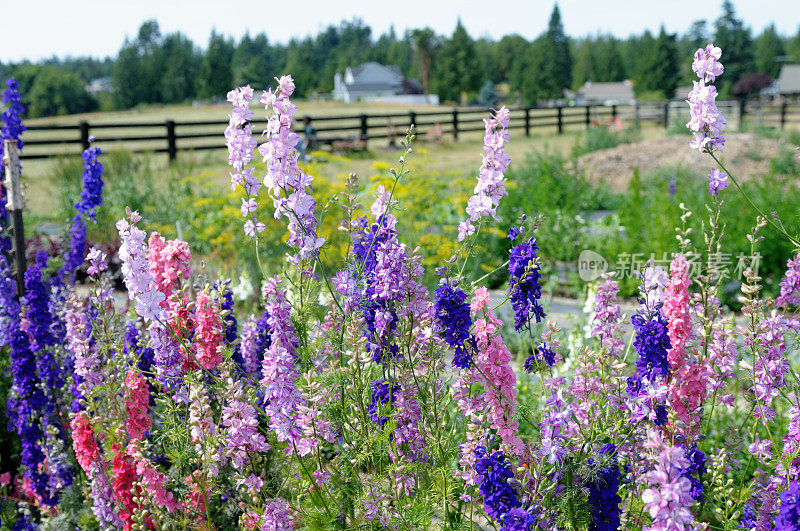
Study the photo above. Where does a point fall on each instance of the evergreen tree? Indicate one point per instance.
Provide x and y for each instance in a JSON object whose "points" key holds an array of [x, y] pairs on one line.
{"points": [[793, 48], [179, 83], [659, 69], [216, 73], [456, 71], [584, 69], [737, 48], [426, 45], [768, 47], [607, 60], [508, 53], [558, 65]]}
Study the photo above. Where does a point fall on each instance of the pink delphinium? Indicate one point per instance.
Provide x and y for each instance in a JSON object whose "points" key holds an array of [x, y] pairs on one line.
{"points": [[288, 185], [790, 285], [208, 334], [706, 122], [169, 262], [83, 441], [152, 481], [687, 389], [491, 175], [494, 362], [137, 403]]}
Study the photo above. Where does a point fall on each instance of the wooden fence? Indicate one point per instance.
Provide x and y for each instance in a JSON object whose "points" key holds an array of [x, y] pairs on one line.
{"points": [[171, 136]]}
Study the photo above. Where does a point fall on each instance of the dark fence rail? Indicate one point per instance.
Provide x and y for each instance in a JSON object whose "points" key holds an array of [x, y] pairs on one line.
{"points": [[355, 130]]}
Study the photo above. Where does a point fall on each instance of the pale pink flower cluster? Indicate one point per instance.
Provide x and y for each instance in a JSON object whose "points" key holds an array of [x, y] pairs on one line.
{"points": [[491, 175], [208, 334], [494, 361], [169, 262], [669, 495], [287, 183], [471, 404], [241, 145], [153, 481], [203, 431], [141, 284], [606, 318], [706, 122]]}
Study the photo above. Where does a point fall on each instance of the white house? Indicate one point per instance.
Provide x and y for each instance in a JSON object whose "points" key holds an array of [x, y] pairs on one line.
{"points": [[788, 82], [377, 82], [596, 93]]}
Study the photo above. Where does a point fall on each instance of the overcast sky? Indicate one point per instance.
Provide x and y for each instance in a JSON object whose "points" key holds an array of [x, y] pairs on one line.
{"points": [[35, 29]]}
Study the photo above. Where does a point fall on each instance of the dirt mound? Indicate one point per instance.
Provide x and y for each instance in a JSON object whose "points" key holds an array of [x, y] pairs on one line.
{"points": [[746, 155]]}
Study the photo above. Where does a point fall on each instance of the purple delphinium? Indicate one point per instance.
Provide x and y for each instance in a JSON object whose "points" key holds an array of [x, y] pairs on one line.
{"points": [[603, 490], [12, 129], [453, 318], [144, 353], [524, 283], [499, 497], [255, 341], [40, 319], [383, 392], [651, 341], [9, 304], [76, 250], [717, 181], [518, 519], [697, 467], [789, 517], [543, 353], [231, 331], [92, 193]]}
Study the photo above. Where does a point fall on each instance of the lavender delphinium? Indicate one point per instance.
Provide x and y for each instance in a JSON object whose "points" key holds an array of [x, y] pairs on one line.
{"points": [[790, 285], [452, 315], [706, 121], [603, 490], [524, 283]]}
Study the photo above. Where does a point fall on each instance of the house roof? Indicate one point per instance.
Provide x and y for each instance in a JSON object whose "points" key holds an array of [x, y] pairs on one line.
{"points": [[376, 72], [789, 80], [621, 90]]}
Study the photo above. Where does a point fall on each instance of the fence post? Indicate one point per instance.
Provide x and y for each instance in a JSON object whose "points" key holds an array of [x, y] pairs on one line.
{"points": [[588, 116], [172, 148], [84, 129], [364, 129], [742, 112], [455, 124], [14, 208], [614, 112], [783, 115], [636, 114], [560, 121], [412, 119], [666, 115], [527, 121]]}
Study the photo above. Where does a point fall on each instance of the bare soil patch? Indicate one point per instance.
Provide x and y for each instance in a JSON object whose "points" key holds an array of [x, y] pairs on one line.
{"points": [[746, 155]]}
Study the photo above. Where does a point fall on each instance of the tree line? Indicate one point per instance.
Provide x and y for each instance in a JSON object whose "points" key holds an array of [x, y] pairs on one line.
{"points": [[154, 68]]}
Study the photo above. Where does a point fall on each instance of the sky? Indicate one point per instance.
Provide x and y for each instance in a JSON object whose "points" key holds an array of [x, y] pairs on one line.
{"points": [[43, 28]]}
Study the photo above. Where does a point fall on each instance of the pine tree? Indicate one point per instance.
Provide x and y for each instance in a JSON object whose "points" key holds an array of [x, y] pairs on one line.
{"points": [[216, 73], [559, 65], [736, 42], [659, 69], [768, 47], [456, 71]]}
